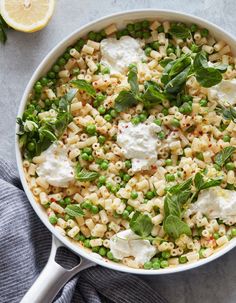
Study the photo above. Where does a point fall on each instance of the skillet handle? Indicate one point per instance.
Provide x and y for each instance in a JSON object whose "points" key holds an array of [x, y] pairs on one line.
{"points": [[52, 278]]}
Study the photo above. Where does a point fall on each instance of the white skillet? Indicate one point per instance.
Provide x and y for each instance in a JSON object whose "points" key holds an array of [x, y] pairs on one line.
{"points": [[53, 276]]}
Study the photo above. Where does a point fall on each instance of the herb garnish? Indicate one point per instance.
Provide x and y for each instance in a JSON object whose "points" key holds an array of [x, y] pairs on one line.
{"points": [[141, 224], [83, 175], [74, 210], [224, 155], [84, 86]]}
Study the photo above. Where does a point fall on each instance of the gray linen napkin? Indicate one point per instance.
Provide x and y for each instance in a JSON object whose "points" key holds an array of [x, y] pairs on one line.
{"points": [[24, 248]]}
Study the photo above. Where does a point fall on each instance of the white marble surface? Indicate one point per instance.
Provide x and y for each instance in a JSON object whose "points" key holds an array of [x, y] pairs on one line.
{"points": [[213, 283]]}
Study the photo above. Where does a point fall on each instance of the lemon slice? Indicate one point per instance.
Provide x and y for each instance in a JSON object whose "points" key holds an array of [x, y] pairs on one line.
{"points": [[27, 15]]}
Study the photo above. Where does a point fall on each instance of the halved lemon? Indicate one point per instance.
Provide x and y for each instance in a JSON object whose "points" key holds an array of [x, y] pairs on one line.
{"points": [[27, 15]]}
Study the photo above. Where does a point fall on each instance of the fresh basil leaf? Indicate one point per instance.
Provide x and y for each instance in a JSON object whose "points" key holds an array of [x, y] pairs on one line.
{"points": [[84, 86], [179, 65], [208, 77], [133, 80], [171, 206], [124, 100], [176, 84], [74, 210], [224, 155], [86, 175], [200, 61], [179, 31], [174, 227], [141, 224]]}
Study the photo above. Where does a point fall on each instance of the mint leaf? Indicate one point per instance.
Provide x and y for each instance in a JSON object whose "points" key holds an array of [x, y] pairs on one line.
{"points": [[174, 227], [124, 100], [74, 210], [201, 184], [224, 155], [141, 224], [86, 175], [179, 31], [84, 86], [208, 77], [200, 61], [176, 84], [133, 80]]}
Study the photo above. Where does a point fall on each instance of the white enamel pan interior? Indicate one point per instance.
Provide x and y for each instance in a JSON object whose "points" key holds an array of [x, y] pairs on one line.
{"points": [[121, 19]]}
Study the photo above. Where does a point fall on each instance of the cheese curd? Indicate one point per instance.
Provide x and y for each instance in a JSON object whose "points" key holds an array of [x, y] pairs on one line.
{"points": [[127, 244], [56, 169], [223, 92], [119, 54], [216, 203], [139, 143]]}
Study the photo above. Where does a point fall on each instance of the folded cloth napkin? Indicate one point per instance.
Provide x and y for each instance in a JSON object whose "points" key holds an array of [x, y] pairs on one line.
{"points": [[24, 248]]}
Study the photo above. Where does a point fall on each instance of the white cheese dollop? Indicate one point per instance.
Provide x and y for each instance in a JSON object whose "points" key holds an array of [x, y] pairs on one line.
{"points": [[119, 54], [127, 244], [56, 168], [225, 91], [139, 143], [217, 202]]}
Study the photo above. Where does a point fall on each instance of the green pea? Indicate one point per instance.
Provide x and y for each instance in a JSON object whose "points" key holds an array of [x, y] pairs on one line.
{"points": [[149, 195], [137, 26], [102, 179], [116, 215], [114, 189], [102, 251], [170, 177], [128, 164], [168, 162], [135, 120], [85, 156], [160, 29], [62, 203], [156, 265], [113, 113], [204, 32], [130, 27], [203, 102], [61, 61], [101, 139], [56, 68], [100, 97], [155, 45], [106, 70], [52, 75], [87, 150], [31, 146], [110, 255], [80, 43], [91, 129], [92, 35], [165, 254], [193, 28], [95, 249], [161, 135], [108, 117], [125, 214], [108, 185], [217, 167], [229, 166], [53, 219], [146, 34], [216, 236], [142, 117], [165, 111], [81, 238], [44, 81], [185, 108], [67, 200], [147, 265], [134, 195], [38, 88], [87, 243], [126, 177], [226, 138], [103, 33], [90, 158], [94, 209], [148, 51], [183, 259], [233, 232], [175, 122], [164, 264], [158, 122], [199, 156], [201, 251], [145, 24], [104, 166]]}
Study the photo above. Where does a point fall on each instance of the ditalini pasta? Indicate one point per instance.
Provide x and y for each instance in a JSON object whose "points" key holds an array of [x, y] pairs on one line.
{"points": [[128, 142]]}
